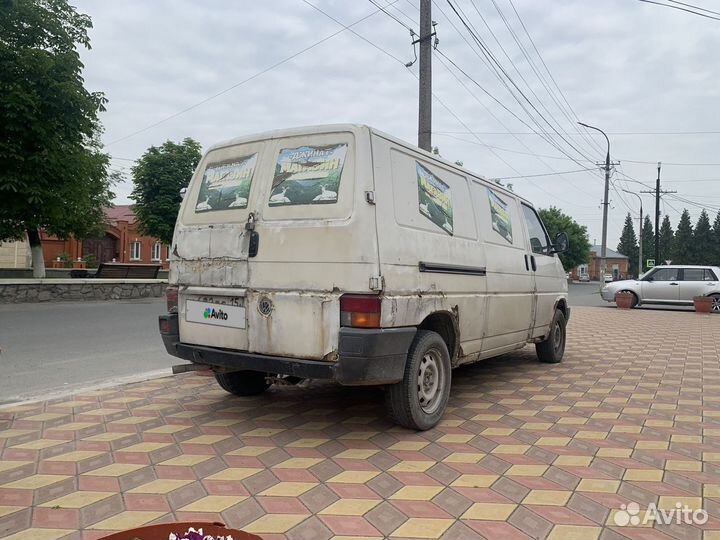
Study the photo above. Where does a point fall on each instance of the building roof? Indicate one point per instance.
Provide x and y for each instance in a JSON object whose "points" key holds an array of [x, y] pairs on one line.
{"points": [[609, 253], [121, 212]]}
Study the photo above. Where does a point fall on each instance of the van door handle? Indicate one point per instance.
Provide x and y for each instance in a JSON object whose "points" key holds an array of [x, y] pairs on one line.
{"points": [[673, 283], [254, 244], [532, 262], [527, 266]]}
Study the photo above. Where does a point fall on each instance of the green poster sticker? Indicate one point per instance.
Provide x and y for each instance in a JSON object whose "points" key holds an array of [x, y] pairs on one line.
{"points": [[226, 185], [308, 175], [499, 216], [435, 199]]}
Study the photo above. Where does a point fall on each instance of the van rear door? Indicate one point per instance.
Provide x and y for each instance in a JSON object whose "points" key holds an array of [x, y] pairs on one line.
{"points": [[280, 244]]}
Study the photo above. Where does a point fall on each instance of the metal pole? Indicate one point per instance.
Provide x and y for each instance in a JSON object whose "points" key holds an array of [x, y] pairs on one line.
{"points": [[640, 265], [425, 91], [603, 249], [657, 217]]}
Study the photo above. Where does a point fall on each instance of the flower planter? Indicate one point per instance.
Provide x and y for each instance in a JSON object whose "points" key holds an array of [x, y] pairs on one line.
{"points": [[78, 264], [703, 304], [163, 531], [624, 300]]}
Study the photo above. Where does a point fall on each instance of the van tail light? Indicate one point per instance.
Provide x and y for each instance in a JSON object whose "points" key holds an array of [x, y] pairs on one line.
{"points": [[171, 295], [360, 310]]}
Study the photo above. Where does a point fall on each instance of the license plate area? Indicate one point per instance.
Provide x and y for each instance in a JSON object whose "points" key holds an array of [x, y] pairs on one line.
{"points": [[228, 312]]}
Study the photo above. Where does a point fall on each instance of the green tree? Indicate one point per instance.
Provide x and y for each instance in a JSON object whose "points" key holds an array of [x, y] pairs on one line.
{"points": [[702, 243], [648, 238], [666, 239], [716, 241], [629, 244], [682, 243], [53, 175], [579, 251], [159, 175]]}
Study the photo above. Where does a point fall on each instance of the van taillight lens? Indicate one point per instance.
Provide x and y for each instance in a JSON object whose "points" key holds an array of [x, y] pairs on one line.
{"points": [[171, 295], [360, 310]]}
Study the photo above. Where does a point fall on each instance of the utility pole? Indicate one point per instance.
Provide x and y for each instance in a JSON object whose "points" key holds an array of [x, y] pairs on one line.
{"points": [[425, 95], [606, 203], [657, 216], [658, 193]]}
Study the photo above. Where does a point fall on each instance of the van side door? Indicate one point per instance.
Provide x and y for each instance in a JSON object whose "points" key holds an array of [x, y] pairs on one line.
{"points": [[510, 287], [544, 265]]}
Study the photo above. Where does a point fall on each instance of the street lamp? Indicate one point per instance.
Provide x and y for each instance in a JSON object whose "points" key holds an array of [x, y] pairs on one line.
{"points": [[603, 250], [640, 265]]}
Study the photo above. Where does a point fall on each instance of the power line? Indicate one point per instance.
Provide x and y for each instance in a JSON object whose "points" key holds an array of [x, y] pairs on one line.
{"points": [[491, 96], [434, 95], [695, 7], [608, 132], [386, 12], [246, 80], [552, 78], [498, 68], [680, 8], [542, 174]]}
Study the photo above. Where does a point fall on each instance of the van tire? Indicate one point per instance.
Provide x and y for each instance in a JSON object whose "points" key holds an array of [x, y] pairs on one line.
{"points": [[552, 349], [428, 358], [243, 383]]}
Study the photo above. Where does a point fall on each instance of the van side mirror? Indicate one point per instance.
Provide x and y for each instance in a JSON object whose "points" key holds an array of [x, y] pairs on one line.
{"points": [[183, 191], [561, 244]]}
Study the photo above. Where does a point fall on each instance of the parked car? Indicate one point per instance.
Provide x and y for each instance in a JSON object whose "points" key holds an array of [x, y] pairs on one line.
{"points": [[340, 252], [608, 278], [584, 277], [670, 285]]}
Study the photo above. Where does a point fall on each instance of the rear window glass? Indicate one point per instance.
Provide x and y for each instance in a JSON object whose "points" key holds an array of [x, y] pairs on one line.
{"points": [[435, 199], [226, 185], [308, 175]]}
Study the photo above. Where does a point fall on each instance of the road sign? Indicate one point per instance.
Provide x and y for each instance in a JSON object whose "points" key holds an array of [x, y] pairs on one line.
{"points": [[650, 263]]}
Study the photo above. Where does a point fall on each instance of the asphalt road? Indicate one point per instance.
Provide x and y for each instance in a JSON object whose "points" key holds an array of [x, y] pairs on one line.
{"points": [[55, 347]]}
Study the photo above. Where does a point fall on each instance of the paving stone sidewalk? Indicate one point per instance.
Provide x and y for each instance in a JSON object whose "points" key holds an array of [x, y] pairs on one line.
{"points": [[526, 450]]}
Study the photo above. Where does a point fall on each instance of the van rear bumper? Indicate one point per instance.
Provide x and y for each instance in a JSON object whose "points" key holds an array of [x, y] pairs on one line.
{"points": [[365, 356]]}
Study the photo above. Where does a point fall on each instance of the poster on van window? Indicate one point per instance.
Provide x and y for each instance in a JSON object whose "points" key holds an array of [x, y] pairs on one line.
{"points": [[435, 199], [308, 175], [226, 185], [499, 216]]}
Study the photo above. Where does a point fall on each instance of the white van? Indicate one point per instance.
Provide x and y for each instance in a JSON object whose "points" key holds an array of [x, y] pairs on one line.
{"points": [[339, 252]]}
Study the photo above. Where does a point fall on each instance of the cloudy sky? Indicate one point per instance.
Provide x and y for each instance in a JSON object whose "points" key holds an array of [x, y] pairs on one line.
{"points": [[645, 74]]}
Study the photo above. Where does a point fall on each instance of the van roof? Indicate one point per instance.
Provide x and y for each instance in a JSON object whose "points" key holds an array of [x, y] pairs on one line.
{"points": [[330, 128]]}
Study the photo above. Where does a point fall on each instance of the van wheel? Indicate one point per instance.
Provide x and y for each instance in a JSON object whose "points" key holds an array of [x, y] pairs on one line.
{"points": [[420, 399], [552, 349], [243, 383]]}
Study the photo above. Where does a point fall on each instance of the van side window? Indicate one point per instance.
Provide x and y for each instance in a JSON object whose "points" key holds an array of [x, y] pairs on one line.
{"points": [[226, 185], [435, 199], [308, 175], [539, 241]]}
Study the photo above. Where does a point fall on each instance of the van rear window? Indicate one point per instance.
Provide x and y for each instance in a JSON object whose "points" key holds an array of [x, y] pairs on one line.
{"points": [[308, 175], [226, 185]]}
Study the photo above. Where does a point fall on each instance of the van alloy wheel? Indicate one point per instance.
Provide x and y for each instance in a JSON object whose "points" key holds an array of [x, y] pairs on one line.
{"points": [[430, 382]]}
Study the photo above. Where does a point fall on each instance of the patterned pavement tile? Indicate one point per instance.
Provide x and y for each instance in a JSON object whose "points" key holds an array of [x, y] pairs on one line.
{"points": [[525, 450]]}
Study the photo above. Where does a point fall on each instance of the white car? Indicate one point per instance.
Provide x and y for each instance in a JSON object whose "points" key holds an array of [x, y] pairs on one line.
{"points": [[359, 258], [670, 285]]}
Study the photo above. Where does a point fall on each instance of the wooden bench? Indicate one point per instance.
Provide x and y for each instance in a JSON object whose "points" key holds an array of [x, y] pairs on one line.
{"points": [[127, 271]]}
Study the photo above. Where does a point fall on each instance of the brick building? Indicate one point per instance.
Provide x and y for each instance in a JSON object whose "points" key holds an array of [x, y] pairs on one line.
{"points": [[121, 242], [615, 263]]}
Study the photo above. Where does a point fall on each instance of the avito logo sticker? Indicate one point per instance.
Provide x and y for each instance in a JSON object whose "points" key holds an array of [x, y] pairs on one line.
{"points": [[212, 313]]}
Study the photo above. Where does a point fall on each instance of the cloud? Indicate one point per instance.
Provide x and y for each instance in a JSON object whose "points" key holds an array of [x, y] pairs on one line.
{"points": [[623, 66]]}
